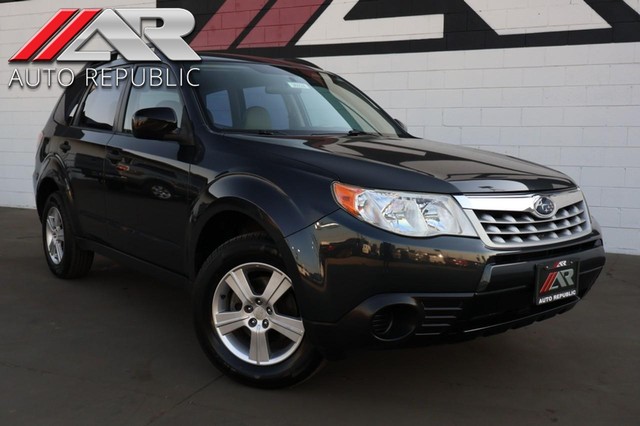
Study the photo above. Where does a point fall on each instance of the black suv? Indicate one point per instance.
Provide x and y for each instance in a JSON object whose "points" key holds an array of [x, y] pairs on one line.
{"points": [[306, 221]]}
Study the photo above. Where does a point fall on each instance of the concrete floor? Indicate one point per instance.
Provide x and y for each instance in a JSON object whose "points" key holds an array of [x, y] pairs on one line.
{"points": [[117, 348]]}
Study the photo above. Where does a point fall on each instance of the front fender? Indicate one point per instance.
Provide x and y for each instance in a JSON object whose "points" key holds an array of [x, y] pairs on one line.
{"points": [[279, 208], [268, 204], [305, 199]]}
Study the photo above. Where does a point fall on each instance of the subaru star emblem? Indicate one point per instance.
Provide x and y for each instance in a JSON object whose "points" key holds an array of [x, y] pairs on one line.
{"points": [[544, 207]]}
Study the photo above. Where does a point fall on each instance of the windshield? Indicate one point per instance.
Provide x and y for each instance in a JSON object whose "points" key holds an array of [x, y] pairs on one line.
{"points": [[249, 97]]}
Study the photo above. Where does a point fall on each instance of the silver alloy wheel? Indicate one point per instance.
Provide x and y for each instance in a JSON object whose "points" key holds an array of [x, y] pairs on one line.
{"points": [[55, 235], [251, 326], [160, 191]]}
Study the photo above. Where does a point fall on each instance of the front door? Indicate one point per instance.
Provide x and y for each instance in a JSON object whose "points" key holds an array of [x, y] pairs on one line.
{"points": [[147, 197]]}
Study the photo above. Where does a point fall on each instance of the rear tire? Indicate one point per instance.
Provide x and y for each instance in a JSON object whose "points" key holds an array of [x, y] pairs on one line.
{"points": [[64, 258], [247, 318]]}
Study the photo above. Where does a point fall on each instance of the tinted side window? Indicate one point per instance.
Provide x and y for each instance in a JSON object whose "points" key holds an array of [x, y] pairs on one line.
{"points": [[219, 106], [100, 106], [68, 104], [147, 96]]}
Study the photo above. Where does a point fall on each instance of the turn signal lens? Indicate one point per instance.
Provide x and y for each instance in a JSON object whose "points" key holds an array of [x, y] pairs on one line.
{"points": [[346, 196]]}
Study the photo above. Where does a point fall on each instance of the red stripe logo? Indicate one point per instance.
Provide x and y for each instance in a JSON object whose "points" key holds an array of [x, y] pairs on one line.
{"points": [[549, 282], [41, 37], [67, 34], [55, 34], [256, 23], [226, 25], [281, 23]]}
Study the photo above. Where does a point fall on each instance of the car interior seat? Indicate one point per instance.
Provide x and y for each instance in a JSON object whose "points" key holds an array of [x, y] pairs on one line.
{"points": [[257, 118]]}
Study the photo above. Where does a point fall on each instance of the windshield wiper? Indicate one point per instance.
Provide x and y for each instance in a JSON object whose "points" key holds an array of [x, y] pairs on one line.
{"points": [[360, 133], [349, 133], [260, 132]]}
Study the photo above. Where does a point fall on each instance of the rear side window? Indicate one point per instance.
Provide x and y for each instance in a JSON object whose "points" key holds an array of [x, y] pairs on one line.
{"points": [[68, 104], [100, 106]]}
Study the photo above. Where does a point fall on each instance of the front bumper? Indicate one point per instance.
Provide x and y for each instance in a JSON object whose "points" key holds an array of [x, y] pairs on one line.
{"points": [[359, 286]]}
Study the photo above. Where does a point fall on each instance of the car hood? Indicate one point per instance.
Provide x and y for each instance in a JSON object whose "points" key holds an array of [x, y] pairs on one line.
{"points": [[412, 164]]}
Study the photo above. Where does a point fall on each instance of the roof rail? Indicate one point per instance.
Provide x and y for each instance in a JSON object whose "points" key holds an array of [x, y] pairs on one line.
{"points": [[301, 62], [114, 54]]}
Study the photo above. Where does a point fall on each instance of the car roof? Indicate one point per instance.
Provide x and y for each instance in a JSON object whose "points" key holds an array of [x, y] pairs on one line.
{"points": [[291, 62], [117, 60]]}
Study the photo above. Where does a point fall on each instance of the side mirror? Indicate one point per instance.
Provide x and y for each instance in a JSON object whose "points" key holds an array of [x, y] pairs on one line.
{"points": [[401, 124], [154, 123]]}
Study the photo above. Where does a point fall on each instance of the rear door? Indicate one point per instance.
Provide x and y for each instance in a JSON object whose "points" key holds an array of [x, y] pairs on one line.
{"points": [[82, 147], [147, 197]]}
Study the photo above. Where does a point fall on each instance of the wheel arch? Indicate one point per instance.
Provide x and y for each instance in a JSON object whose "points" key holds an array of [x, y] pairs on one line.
{"points": [[240, 204], [52, 178], [228, 218], [46, 187]]}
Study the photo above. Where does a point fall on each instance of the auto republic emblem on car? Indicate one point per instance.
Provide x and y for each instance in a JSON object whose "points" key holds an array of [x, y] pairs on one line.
{"points": [[544, 207]]}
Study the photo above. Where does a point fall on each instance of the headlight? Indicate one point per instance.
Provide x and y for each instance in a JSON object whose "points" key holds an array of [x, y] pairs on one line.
{"points": [[404, 213]]}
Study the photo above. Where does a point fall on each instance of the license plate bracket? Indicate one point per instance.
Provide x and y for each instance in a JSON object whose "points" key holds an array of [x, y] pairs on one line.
{"points": [[556, 280]]}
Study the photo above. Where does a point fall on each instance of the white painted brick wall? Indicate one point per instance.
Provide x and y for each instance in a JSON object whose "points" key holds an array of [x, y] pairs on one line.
{"points": [[525, 16], [574, 108]]}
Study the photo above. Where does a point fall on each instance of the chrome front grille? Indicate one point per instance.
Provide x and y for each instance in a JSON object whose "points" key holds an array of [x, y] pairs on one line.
{"points": [[514, 227], [512, 221]]}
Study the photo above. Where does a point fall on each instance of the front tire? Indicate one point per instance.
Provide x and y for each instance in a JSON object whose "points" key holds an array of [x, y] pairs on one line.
{"points": [[247, 318], [64, 258], [160, 190]]}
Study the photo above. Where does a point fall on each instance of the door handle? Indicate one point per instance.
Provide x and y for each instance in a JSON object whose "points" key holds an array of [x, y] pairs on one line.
{"points": [[114, 155], [65, 146]]}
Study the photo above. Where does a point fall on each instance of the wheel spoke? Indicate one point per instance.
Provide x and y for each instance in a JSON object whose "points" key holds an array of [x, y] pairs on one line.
{"points": [[57, 218], [238, 283], [58, 247], [61, 235], [291, 328], [227, 322], [52, 248], [259, 346], [50, 225], [277, 286]]}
